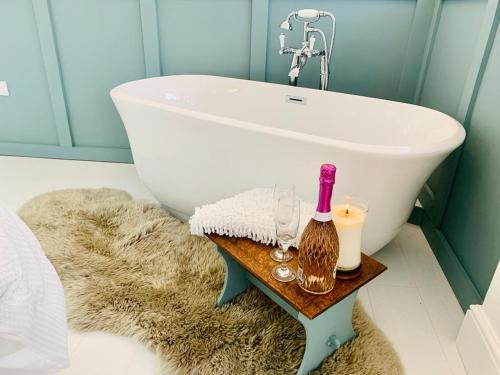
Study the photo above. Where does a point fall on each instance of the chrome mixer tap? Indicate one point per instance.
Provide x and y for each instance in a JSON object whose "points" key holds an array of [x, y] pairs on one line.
{"points": [[302, 54]]}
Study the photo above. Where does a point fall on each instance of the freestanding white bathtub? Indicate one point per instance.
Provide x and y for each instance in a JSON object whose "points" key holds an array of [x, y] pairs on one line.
{"points": [[197, 139]]}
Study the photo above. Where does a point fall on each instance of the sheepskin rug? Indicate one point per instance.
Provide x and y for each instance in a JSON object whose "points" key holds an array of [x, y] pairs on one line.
{"points": [[129, 268]]}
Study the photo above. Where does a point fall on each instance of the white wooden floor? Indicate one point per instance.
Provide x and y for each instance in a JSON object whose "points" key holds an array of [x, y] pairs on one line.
{"points": [[412, 302]]}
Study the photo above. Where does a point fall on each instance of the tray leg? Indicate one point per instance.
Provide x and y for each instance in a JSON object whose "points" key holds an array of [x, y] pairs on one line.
{"points": [[326, 333], [235, 279]]}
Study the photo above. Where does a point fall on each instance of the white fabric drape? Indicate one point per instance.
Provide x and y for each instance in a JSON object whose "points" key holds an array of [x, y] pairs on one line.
{"points": [[33, 330]]}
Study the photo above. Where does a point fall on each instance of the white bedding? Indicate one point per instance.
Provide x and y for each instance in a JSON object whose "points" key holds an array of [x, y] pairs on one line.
{"points": [[33, 331]]}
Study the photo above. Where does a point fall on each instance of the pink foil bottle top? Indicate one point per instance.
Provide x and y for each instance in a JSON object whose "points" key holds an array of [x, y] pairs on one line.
{"points": [[326, 181]]}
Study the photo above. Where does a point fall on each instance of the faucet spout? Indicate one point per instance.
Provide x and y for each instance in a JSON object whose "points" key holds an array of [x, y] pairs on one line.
{"points": [[296, 66], [293, 75]]}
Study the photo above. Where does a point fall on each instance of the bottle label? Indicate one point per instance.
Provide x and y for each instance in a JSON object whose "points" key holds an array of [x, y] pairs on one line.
{"points": [[323, 216], [300, 275]]}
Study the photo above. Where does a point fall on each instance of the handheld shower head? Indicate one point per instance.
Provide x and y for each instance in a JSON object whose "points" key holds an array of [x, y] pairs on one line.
{"points": [[286, 25]]}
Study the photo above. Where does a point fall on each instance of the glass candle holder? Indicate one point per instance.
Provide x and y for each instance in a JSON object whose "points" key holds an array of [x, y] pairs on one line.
{"points": [[349, 217]]}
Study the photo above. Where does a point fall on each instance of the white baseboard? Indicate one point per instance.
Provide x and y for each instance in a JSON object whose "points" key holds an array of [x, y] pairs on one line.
{"points": [[478, 344]]}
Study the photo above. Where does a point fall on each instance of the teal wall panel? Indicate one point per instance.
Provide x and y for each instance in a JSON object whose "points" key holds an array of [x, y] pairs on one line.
{"points": [[456, 36], [462, 204], [370, 47], [100, 46], [205, 37], [74, 51], [26, 116], [472, 220], [455, 39]]}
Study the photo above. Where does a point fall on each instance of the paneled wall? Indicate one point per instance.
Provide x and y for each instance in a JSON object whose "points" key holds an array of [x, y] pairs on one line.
{"points": [[370, 49], [462, 78], [27, 115], [98, 47], [60, 58], [472, 220], [456, 49]]}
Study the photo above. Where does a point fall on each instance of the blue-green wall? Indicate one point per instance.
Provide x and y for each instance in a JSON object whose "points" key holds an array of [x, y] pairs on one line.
{"points": [[472, 219], [444, 86], [462, 79], [98, 47], [61, 58], [27, 115]]}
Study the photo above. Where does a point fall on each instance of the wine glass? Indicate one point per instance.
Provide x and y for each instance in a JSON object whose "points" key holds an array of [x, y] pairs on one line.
{"points": [[286, 220], [277, 253]]}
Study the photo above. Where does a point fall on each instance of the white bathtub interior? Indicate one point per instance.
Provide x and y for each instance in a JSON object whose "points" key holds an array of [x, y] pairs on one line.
{"points": [[329, 115]]}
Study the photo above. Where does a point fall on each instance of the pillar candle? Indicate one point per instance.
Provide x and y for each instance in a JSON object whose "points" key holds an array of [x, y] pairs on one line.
{"points": [[349, 219]]}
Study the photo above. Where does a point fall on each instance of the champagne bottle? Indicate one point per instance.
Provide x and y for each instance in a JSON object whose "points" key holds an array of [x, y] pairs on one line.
{"points": [[319, 244]]}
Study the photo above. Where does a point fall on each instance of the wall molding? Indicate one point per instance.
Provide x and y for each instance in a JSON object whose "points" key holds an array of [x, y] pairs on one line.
{"points": [[416, 49], [480, 59], [478, 340], [119, 155], [429, 45], [462, 285], [478, 344], [150, 37], [258, 40], [53, 70]]}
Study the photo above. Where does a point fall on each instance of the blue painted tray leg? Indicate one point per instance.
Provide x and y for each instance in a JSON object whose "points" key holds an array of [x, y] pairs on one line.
{"points": [[235, 279], [326, 333]]}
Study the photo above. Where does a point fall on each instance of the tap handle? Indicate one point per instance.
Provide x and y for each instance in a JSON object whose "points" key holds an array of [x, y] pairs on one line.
{"points": [[310, 47], [282, 41], [312, 40]]}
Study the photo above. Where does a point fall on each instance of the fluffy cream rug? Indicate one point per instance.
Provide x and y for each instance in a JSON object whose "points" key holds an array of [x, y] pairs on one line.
{"points": [[130, 268]]}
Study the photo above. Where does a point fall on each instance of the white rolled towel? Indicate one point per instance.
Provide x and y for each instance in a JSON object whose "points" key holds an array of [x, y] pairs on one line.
{"points": [[248, 214]]}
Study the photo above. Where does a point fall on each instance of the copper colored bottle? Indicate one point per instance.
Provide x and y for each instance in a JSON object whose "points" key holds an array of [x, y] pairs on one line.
{"points": [[319, 244]]}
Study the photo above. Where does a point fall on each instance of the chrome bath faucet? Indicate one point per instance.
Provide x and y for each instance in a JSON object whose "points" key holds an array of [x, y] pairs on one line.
{"points": [[307, 51]]}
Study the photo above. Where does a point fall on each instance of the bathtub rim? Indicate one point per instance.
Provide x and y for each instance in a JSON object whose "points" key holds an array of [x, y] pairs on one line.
{"points": [[455, 139]]}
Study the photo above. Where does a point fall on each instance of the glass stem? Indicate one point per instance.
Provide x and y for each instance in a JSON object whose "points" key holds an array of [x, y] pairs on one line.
{"points": [[283, 259]]}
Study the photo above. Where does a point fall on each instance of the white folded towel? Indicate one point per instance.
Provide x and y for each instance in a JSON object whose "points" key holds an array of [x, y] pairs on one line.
{"points": [[249, 214]]}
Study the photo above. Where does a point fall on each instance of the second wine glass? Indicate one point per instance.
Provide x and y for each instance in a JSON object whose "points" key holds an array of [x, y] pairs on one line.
{"points": [[286, 220], [287, 191]]}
